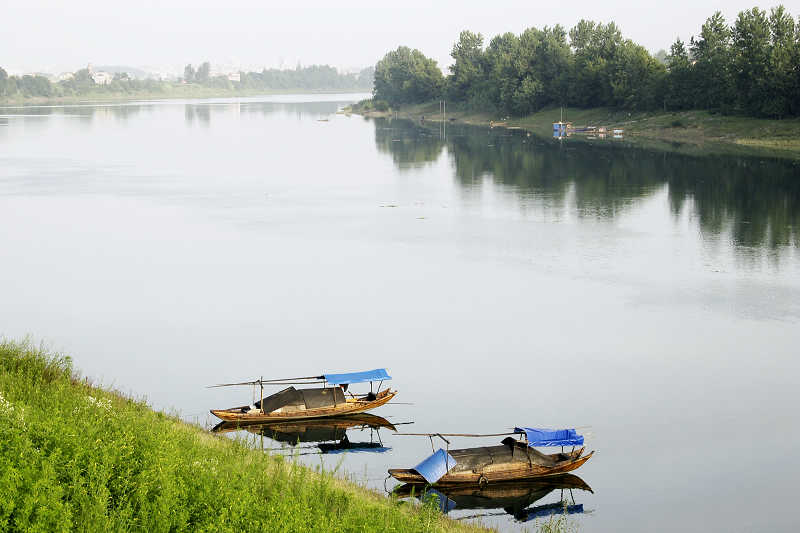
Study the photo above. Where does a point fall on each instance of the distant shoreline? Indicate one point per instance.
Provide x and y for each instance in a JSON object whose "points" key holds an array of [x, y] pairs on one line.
{"points": [[697, 132], [195, 93]]}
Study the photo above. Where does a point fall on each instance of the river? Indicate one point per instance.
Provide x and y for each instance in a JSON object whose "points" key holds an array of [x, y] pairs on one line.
{"points": [[650, 299]]}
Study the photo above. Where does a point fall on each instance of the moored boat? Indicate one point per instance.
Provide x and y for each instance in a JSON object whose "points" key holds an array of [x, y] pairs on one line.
{"points": [[511, 460], [332, 399]]}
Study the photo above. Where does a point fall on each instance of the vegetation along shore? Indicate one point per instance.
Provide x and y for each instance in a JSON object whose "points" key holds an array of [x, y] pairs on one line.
{"points": [[731, 84], [95, 84], [692, 131], [78, 457]]}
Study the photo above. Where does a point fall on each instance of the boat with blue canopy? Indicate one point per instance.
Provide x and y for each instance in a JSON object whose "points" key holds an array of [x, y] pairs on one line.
{"points": [[514, 459], [330, 398]]}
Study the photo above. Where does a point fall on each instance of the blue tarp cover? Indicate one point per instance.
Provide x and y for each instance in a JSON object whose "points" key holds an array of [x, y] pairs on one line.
{"points": [[551, 437], [379, 374], [435, 466]]}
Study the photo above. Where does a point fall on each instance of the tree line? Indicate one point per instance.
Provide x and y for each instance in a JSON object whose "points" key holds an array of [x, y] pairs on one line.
{"points": [[314, 77], [751, 67]]}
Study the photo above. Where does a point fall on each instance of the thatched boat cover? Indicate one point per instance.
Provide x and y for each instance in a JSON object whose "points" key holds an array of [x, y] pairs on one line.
{"points": [[308, 398]]}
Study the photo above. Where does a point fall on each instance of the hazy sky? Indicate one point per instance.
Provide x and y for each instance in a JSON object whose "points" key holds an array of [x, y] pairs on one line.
{"points": [[60, 35]]}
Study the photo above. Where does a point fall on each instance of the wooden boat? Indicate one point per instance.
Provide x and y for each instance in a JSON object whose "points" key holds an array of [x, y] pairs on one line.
{"points": [[511, 460], [302, 404]]}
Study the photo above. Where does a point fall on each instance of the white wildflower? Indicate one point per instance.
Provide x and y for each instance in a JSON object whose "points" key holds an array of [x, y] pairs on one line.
{"points": [[6, 406], [103, 404]]}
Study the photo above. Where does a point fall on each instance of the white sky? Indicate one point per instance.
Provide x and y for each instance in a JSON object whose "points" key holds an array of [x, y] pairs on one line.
{"points": [[54, 35]]}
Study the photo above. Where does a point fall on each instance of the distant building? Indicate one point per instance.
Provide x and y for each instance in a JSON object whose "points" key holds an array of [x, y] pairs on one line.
{"points": [[102, 78], [226, 71], [64, 76], [99, 77]]}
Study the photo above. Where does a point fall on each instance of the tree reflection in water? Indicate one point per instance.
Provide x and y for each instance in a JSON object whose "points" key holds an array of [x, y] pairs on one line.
{"points": [[757, 200]]}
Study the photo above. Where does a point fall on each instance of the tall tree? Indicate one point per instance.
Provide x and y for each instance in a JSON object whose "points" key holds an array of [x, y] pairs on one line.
{"points": [[783, 95], [502, 67], [637, 78], [407, 76], [467, 70], [679, 80], [3, 82], [203, 73], [751, 47], [711, 52], [188, 73], [595, 47]]}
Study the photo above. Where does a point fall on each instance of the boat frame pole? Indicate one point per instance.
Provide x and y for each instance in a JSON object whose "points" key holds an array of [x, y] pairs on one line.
{"points": [[261, 383]]}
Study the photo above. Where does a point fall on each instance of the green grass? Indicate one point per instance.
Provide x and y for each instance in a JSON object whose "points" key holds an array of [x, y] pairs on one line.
{"points": [[74, 457]]}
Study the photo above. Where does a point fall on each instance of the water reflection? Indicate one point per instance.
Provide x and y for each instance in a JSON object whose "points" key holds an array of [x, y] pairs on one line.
{"points": [[407, 145], [201, 112], [196, 111], [755, 200], [327, 435], [513, 498]]}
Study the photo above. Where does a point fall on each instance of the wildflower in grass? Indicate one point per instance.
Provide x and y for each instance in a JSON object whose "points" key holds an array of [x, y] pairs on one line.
{"points": [[103, 403], [15, 414], [6, 406]]}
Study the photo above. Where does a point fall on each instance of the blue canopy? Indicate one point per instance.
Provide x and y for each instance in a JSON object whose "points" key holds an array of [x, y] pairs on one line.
{"points": [[379, 374], [435, 466], [551, 437]]}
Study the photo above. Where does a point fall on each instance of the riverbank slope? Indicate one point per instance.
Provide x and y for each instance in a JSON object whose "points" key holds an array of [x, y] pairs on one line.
{"points": [[78, 457], [697, 129]]}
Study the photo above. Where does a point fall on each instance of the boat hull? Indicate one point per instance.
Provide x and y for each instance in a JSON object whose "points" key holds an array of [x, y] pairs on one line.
{"points": [[498, 472], [350, 407]]}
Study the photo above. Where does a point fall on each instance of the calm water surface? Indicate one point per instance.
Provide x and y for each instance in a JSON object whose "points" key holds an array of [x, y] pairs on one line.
{"points": [[651, 299]]}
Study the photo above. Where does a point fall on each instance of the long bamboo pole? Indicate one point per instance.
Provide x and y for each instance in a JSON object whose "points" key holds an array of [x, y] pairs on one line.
{"points": [[457, 434]]}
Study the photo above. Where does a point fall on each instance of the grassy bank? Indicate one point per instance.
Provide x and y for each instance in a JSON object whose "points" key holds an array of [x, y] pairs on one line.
{"points": [[74, 457], [690, 130]]}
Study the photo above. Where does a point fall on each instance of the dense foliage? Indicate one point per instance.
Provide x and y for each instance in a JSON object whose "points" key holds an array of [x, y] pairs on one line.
{"points": [[315, 77], [77, 458], [751, 67], [405, 76]]}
